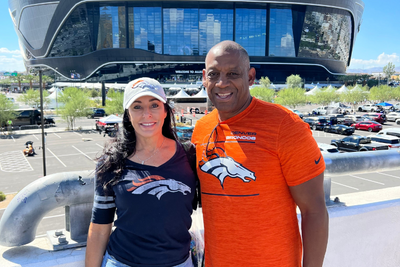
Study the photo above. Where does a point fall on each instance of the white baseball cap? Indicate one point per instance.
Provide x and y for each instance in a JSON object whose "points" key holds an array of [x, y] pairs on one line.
{"points": [[143, 87]]}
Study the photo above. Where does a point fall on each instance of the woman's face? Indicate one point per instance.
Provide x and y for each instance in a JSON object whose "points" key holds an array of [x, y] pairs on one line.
{"points": [[147, 116]]}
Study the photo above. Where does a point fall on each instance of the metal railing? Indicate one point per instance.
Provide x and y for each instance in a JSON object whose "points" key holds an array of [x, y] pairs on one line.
{"points": [[75, 190]]}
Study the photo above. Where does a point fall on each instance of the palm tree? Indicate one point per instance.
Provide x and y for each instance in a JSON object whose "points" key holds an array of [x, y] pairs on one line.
{"points": [[30, 78], [46, 79], [19, 78]]}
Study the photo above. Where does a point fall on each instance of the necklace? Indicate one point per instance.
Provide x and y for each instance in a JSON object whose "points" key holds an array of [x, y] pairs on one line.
{"points": [[155, 152]]}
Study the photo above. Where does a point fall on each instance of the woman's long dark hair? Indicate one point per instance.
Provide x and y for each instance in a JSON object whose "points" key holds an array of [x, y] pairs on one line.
{"points": [[115, 152]]}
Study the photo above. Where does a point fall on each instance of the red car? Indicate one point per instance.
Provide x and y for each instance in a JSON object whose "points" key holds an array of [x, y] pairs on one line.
{"points": [[369, 126]]}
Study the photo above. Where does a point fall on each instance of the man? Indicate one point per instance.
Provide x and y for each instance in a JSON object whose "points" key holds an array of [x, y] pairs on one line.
{"points": [[256, 162]]}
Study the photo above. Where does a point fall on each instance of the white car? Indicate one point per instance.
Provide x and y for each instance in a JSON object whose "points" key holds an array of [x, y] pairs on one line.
{"points": [[368, 108], [325, 148], [320, 110], [393, 116], [390, 140]]}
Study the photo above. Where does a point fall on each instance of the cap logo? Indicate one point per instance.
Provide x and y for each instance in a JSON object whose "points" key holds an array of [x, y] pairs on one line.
{"points": [[142, 84]]}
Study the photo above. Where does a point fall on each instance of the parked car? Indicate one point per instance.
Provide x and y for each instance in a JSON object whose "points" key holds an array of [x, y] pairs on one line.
{"points": [[396, 106], [316, 123], [355, 118], [390, 140], [369, 126], [393, 116], [378, 117], [390, 131], [339, 128], [357, 143], [339, 108], [28, 116], [47, 120], [184, 132], [341, 119], [320, 110], [367, 107], [297, 112], [97, 113], [325, 148]]}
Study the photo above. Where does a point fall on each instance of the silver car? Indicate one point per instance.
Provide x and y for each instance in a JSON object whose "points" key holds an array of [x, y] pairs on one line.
{"points": [[393, 116]]}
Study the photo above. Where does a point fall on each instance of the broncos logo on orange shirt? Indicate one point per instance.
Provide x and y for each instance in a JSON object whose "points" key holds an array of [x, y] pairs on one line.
{"points": [[222, 167], [158, 186]]}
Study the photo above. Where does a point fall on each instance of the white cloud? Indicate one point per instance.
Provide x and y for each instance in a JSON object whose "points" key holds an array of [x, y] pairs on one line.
{"points": [[382, 60], [4, 50], [11, 60]]}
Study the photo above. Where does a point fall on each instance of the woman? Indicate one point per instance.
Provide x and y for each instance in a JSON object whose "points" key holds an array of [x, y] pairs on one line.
{"points": [[144, 175]]}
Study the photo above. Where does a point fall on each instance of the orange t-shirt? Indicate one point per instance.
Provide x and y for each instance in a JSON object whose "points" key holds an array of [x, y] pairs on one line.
{"points": [[249, 214]]}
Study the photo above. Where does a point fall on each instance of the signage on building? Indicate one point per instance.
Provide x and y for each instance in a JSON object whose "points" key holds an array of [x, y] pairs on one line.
{"points": [[188, 71]]}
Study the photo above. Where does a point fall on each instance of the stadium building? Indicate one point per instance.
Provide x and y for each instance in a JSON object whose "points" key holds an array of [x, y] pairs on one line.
{"points": [[121, 40]]}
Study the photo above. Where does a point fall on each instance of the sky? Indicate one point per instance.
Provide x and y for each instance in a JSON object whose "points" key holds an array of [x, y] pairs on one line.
{"points": [[377, 43]]}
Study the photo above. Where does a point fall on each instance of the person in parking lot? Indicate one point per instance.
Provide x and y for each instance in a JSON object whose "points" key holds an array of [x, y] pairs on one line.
{"points": [[143, 176], [256, 162]]}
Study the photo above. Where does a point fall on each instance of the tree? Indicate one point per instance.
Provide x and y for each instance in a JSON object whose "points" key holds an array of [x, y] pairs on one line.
{"points": [[7, 110], [19, 78], [291, 97], [353, 97], [396, 93], [263, 93], [265, 82], [30, 78], [76, 104], [293, 81], [389, 70], [115, 102], [381, 93], [324, 97], [32, 98], [46, 79]]}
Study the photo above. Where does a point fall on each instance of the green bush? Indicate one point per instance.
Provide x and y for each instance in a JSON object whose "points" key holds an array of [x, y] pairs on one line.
{"points": [[2, 196]]}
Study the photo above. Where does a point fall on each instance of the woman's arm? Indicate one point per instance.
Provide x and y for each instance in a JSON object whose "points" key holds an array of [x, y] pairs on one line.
{"points": [[97, 240]]}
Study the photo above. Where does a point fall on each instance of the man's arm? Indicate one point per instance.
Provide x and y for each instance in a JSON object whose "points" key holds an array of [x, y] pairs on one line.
{"points": [[310, 199]]}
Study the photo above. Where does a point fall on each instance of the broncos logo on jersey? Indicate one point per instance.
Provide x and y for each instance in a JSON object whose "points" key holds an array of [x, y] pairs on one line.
{"points": [[222, 167], [158, 186]]}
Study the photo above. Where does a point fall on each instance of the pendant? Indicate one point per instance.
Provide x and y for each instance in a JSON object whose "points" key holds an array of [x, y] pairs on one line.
{"points": [[142, 162]]}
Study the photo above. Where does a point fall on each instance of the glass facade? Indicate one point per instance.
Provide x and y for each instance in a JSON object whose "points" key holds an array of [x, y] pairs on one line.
{"points": [[250, 30], [74, 38], [145, 31], [35, 21], [314, 32], [112, 29], [215, 25], [181, 31], [281, 38], [326, 34], [267, 30]]}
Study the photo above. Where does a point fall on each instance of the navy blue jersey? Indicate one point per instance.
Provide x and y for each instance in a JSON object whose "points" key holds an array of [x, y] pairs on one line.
{"points": [[153, 207]]}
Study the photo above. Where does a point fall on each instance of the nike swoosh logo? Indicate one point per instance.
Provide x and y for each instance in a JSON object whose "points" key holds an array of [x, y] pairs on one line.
{"points": [[317, 161]]}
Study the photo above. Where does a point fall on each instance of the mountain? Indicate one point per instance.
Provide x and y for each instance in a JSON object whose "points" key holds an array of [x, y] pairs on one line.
{"points": [[370, 70]]}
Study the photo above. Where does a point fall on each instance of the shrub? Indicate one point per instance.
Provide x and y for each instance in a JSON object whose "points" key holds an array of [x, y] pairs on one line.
{"points": [[2, 196]]}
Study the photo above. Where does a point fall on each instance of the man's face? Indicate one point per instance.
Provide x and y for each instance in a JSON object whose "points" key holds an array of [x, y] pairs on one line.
{"points": [[227, 79]]}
